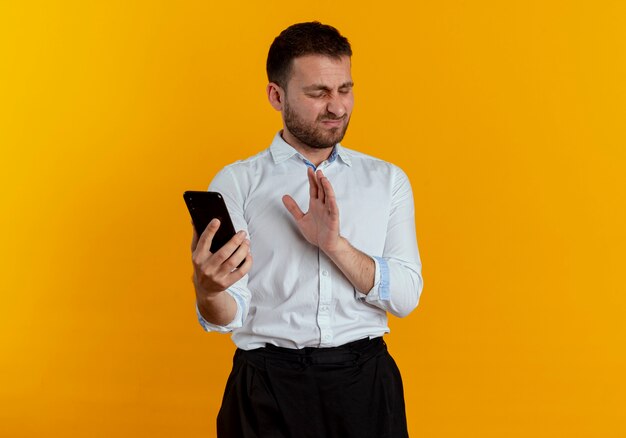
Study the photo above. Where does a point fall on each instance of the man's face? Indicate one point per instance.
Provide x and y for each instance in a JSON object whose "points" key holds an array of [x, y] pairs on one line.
{"points": [[318, 101]]}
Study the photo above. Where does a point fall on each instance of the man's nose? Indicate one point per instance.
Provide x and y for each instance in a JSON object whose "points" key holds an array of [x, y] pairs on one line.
{"points": [[336, 107]]}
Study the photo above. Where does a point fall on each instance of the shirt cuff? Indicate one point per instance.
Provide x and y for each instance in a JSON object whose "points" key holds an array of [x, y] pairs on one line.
{"points": [[235, 323], [380, 290]]}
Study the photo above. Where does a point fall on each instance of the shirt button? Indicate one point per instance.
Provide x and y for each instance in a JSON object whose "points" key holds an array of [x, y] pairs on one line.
{"points": [[325, 273]]}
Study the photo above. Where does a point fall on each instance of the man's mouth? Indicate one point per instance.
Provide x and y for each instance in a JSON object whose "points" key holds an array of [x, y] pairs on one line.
{"points": [[333, 122]]}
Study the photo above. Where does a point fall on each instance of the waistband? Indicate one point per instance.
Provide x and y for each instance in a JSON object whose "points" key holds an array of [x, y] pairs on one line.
{"points": [[352, 352]]}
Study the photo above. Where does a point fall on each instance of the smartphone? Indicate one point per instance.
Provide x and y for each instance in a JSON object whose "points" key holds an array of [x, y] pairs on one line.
{"points": [[203, 208]]}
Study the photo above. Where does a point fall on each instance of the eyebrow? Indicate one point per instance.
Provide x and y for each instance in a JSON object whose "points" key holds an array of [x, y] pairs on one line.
{"points": [[315, 87]]}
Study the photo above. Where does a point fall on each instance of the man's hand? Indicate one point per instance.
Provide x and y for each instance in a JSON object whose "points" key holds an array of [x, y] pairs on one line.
{"points": [[320, 227], [320, 224], [213, 273]]}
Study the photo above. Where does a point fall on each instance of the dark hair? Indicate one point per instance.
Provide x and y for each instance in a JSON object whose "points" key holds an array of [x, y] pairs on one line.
{"points": [[313, 38]]}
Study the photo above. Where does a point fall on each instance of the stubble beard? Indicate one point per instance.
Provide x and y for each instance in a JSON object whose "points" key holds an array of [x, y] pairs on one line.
{"points": [[314, 136]]}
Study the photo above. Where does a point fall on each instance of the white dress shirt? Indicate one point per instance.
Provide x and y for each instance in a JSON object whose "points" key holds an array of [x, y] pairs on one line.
{"points": [[294, 296]]}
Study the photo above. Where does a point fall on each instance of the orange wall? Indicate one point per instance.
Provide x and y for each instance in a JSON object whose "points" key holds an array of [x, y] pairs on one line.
{"points": [[507, 116]]}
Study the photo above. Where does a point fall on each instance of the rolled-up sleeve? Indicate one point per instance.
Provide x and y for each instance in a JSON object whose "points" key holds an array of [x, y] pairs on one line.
{"points": [[398, 279], [239, 295], [225, 184]]}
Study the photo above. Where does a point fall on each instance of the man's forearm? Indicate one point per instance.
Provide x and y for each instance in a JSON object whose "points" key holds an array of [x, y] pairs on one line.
{"points": [[218, 309], [358, 267]]}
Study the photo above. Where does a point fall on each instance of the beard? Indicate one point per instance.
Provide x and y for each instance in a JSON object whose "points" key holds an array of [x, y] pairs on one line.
{"points": [[312, 134]]}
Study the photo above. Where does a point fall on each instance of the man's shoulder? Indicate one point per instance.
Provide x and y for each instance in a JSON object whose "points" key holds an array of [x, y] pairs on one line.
{"points": [[249, 163], [253, 159], [240, 171]]}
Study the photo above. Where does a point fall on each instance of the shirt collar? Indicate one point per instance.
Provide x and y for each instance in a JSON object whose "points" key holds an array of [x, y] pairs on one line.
{"points": [[282, 151]]}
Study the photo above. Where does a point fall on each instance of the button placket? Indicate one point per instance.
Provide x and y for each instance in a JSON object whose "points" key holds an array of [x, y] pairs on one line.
{"points": [[325, 297]]}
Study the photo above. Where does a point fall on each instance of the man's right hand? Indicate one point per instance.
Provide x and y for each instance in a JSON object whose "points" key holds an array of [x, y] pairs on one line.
{"points": [[213, 273]]}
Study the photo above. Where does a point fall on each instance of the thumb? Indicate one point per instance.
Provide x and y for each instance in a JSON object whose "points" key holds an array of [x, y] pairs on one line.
{"points": [[293, 208]]}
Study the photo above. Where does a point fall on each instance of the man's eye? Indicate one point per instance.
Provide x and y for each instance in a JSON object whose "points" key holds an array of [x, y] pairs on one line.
{"points": [[316, 95]]}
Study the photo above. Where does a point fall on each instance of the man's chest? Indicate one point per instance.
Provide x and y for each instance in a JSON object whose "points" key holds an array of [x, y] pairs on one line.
{"points": [[364, 203]]}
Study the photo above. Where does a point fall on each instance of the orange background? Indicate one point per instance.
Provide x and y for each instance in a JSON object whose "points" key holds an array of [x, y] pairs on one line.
{"points": [[507, 116]]}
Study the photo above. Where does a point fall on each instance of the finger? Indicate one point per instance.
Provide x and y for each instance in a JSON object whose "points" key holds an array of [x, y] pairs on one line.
{"points": [[313, 189], [203, 248], [242, 270], [329, 192], [293, 208], [331, 200], [321, 192], [222, 254], [236, 258]]}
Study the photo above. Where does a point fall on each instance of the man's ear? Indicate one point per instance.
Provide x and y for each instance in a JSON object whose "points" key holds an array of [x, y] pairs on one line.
{"points": [[276, 96]]}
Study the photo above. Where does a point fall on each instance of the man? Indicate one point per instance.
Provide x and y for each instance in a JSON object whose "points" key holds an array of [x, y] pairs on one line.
{"points": [[309, 314]]}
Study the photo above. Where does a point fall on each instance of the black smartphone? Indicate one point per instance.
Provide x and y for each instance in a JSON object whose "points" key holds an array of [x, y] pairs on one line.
{"points": [[203, 208]]}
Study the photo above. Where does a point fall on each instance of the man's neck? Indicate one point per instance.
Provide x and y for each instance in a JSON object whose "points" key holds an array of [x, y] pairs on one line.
{"points": [[314, 155]]}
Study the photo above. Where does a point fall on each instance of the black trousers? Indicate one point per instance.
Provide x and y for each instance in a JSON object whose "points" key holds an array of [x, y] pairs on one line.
{"points": [[354, 390]]}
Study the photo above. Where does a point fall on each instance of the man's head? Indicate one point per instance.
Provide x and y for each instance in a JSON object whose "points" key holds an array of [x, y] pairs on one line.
{"points": [[308, 68], [302, 39]]}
